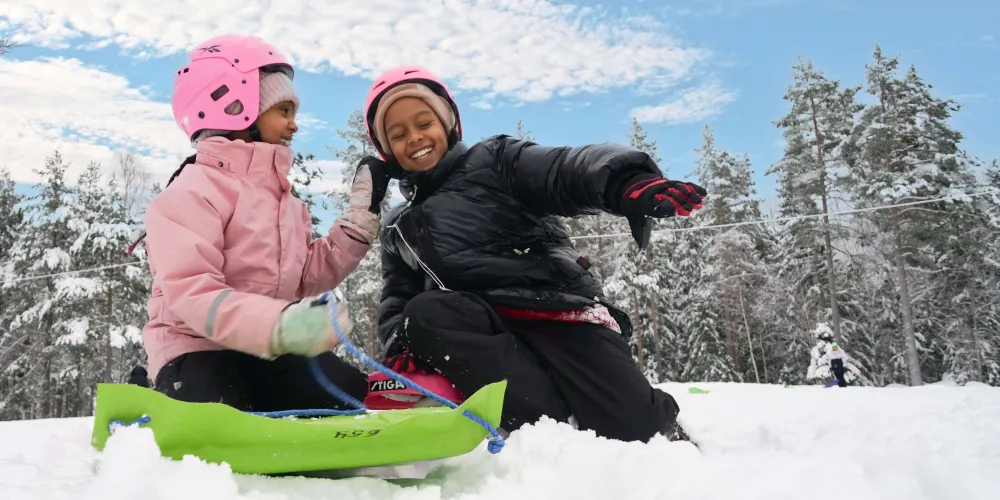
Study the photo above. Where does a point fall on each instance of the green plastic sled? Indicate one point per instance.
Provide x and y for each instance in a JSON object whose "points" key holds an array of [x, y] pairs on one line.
{"points": [[253, 444]]}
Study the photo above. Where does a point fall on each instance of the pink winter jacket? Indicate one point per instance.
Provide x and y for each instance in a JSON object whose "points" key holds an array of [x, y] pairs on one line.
{"points": [[229, 247]]}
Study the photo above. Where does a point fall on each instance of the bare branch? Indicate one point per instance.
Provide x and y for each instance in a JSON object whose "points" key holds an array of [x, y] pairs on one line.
{"points": [[6, 44]]}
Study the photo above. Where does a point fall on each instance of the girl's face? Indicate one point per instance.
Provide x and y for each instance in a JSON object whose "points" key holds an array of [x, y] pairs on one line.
{"points": [[276, 125], [416, 135]]}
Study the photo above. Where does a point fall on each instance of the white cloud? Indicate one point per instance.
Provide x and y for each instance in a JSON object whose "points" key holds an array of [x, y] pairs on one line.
{"points": [[691, 105], [332, 176], [516, 49], [307, 122], [85, 113]]}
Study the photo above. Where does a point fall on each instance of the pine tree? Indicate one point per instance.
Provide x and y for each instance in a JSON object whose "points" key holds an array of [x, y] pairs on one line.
{"points": [[820, 356], [639, 139], [820, 120], [304, 173], [523, 133], [12, 222], [41, 250], [735, 253], [111, 300], [903, 151]]}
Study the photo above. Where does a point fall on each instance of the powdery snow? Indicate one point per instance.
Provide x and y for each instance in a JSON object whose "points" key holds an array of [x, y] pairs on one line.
{"points": [[757, 442]]}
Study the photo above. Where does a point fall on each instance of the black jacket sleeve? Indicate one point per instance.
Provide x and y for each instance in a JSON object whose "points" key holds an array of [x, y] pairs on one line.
{"points": [[400, 283], [567, 181]]}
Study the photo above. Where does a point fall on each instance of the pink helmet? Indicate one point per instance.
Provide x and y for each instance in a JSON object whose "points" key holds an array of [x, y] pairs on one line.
{"points": [[407, 74], [223, 70]]}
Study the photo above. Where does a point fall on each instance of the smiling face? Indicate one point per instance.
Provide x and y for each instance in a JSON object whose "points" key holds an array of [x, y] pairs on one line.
{"points": [[276, 125], [416, 136]]}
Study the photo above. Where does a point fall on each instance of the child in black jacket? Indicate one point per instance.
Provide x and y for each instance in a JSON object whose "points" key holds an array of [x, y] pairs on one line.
{"points": [[480, 279]]}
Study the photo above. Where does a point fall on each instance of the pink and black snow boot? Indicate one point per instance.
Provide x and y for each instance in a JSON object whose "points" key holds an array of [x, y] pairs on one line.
{"points": [[385, 393]]}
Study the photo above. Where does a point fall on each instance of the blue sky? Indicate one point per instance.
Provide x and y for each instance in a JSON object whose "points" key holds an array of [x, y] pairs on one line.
{"points": [[722, 62]]}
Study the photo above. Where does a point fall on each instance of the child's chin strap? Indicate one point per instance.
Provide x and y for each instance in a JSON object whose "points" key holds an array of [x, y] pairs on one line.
{"points": [[254, 132]]}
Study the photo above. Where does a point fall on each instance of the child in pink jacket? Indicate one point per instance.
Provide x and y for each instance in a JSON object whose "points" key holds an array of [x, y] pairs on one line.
{"points": [[235, 273]]}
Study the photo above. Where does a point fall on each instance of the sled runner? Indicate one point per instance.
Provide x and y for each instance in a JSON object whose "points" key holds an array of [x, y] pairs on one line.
{"points": [[298, 441]]}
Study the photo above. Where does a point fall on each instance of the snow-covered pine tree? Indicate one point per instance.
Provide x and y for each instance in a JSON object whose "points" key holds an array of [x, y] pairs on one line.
{"points": [[11, 224], [104, 328], [735, 268], [698, 348], [40, 250], [820, 356], [901, 151], [819, 121]]}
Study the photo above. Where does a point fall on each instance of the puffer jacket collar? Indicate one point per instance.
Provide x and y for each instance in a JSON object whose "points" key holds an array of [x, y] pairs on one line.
{"points": [[260, 162]]}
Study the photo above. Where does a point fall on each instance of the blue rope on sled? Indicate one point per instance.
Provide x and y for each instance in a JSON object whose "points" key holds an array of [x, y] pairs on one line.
{"points": [[496, 441]]}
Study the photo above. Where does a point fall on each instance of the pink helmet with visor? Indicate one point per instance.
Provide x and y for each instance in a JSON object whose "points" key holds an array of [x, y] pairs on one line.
{"points": [[400, 75], [220, 87]]}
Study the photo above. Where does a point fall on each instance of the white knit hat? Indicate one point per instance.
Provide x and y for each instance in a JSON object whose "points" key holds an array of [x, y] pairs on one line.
{"points": [[274, 88]]}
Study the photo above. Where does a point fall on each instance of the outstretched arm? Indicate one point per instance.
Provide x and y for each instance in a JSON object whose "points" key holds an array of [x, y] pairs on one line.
{"points": [[567, 181], [584, 180]]}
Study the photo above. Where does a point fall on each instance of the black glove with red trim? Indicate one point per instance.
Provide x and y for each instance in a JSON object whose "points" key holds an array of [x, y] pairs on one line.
{"points": [[405, 362], [645, 196]]}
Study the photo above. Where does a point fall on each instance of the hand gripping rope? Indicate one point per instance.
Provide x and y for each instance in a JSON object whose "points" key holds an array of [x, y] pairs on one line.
{"points": [[496, 440]]}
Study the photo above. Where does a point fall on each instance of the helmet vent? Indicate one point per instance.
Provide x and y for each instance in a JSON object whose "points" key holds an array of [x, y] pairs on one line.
{"points": [[219, 92], [234, 108]]}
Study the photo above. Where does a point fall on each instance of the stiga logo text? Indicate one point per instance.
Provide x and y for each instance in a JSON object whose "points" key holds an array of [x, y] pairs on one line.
{"points": [[385, 385]]}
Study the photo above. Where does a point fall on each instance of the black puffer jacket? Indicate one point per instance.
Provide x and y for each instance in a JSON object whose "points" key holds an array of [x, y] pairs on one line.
{"points": [[484, 220]]}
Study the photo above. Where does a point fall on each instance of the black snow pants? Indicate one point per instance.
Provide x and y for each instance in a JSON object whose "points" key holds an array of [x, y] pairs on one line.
{"points": [[249, 383], [837, 366], [557, 369]]}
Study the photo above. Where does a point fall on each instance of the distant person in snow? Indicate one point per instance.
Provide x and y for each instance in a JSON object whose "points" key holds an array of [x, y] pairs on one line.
{"points": [[481, 282], [837, 364], [233, 313]]}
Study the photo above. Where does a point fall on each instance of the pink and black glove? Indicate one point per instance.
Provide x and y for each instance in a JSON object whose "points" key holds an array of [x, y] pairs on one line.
{"points": [[645, 196]]}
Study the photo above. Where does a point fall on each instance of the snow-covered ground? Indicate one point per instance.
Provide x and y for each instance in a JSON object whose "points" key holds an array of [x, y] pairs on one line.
{"points": [[757, 442]]}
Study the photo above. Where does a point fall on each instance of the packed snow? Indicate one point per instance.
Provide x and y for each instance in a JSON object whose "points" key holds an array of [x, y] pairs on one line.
{"points": [[937, 442]]}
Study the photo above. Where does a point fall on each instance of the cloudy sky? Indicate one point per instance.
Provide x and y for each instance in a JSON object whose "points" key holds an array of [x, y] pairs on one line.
{"points": [[96, 75]]}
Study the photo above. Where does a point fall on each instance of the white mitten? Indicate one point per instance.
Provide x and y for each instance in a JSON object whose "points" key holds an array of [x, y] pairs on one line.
{"points": [[304, 327]]}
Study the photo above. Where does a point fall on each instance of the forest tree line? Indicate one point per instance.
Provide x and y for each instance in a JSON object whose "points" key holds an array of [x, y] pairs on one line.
{"points": [[907, 283]]}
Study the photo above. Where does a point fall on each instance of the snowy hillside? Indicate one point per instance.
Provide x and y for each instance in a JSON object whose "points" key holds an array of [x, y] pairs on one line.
{"points": [[757, 442]]}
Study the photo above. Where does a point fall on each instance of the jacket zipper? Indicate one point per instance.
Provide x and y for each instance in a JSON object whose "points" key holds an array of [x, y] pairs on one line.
{"points": [[425, 267]]}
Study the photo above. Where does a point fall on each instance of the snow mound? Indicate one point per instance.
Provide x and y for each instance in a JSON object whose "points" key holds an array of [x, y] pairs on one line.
{"points": [[756, 442]]}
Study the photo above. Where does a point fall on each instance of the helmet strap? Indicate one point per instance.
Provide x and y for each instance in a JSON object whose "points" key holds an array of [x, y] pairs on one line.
{"points": [[254, 132]]}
